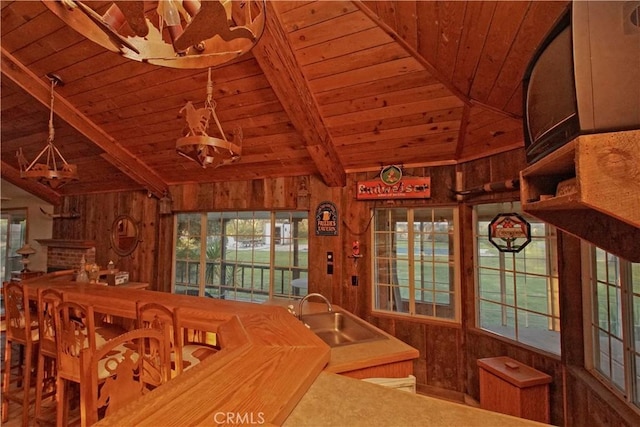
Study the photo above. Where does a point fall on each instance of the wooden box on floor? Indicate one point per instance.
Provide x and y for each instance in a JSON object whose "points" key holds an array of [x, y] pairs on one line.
{"points": [[512, 388]]}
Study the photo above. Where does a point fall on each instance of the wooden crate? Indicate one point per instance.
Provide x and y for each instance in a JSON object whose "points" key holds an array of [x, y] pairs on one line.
{"points": [[512, 388]]}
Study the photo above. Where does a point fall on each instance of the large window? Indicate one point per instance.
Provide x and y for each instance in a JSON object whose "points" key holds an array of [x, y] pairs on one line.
{"points": [[613, 339], [517, 292], [13, 234], [249, 256], [414, 263]]}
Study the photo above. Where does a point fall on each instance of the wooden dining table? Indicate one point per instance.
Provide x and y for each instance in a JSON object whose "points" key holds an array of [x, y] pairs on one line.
{"points": [[266, 363]]}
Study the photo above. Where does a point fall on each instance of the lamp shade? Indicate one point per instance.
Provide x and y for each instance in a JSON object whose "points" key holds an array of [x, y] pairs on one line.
{"points": [[26, 250]]}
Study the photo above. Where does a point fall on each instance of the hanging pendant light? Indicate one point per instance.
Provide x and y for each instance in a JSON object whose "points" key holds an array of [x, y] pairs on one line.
{"points": [[49, 167], [198, 145], [176, 34]]}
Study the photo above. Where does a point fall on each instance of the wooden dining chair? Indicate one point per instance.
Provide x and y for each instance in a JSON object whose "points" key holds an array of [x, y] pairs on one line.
{"points": [[183, 355], [22, 330], [48, 300], [196, 344], [75, 331], [112, 378]]}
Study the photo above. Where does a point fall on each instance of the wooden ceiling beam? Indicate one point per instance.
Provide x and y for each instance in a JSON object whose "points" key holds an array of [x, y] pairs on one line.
{"points": [[277, 60], [12, 175], [114, 152]]}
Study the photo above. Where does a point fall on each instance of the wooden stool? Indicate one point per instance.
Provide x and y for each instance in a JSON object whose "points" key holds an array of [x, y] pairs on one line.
{"points": [[23, 332], [48, 300], [112, 378], [183, 356], [75, 331]]}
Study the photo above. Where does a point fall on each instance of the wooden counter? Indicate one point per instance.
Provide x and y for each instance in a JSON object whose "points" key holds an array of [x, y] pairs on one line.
{"points": [[267, 361], [269, 371], [389, 357], [336, 400]]}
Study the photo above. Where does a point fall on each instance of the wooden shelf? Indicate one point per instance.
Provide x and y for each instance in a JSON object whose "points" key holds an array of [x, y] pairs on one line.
{"points": [[67, 243], [604, 206]]}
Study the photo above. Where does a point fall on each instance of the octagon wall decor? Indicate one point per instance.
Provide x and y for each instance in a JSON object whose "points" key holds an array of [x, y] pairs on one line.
{"points": [[509, 232], [393, 185]]}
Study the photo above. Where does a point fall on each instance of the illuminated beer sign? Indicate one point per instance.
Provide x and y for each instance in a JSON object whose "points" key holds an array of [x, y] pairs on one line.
{"points": [[392, 185], [326, 219], [509, 232]]}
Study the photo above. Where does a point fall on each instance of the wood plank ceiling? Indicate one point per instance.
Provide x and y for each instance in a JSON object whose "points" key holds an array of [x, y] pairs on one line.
{"points": [[332, 87]]}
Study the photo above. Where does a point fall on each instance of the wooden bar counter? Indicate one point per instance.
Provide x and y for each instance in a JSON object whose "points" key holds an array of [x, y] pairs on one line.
{"points": [[270, 370], [267, 361]]}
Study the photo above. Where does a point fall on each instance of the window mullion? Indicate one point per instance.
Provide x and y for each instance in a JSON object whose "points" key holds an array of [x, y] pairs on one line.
{"points": [[410, 258], [203, 254], [627, 329], [503, 288], [272, 252]]}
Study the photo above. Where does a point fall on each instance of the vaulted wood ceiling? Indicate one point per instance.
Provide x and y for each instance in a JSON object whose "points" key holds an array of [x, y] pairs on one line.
{"points": [[332, 87]]}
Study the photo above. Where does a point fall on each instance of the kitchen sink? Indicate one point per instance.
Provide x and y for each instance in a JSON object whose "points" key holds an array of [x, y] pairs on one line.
{"points": [[338, 329]]}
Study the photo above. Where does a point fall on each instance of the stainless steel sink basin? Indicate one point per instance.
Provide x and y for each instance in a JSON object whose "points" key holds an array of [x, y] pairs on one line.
{"points": [[337, 329]]}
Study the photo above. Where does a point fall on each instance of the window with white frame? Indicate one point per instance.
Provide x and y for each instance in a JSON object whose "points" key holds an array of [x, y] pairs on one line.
{"points": [[249, 256], [517, 292], [613, 338], [415, 252]]}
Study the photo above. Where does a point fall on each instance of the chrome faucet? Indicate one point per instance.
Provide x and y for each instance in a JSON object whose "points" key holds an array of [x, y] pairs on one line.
{"points": [[306, 297]]}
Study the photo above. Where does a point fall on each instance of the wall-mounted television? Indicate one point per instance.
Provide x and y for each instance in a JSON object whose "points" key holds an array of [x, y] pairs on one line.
{"points": [[585, 76]]}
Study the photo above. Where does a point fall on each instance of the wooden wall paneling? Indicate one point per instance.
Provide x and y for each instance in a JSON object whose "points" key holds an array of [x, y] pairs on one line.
{"points": [[207, 194], [496, 168], [147, 209], [467, 271], [415, 335], [259, 194], [355, 226], [593, 404], [467, 287], [444, 358], [319, 280], [165, 246], [571, 299], [97, 213]]}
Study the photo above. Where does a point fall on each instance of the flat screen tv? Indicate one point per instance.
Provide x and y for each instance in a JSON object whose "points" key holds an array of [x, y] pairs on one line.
{"points": [[584, 78]]}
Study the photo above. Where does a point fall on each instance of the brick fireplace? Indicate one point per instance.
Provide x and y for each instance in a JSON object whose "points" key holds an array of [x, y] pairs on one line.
{"points": [[63, 254]]}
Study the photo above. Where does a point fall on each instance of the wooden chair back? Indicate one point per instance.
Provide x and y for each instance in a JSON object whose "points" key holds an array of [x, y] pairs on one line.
{"points": [[196, 345], [137, 361], [75, 331], [48, 300], [157, 316], [19, 322], [21, 330]]}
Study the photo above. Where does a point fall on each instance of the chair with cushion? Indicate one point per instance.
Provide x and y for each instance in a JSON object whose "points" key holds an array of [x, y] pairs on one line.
{"points": [[113, 377], [153, 315], [75, 330], [48, 300], [21, 329]]}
